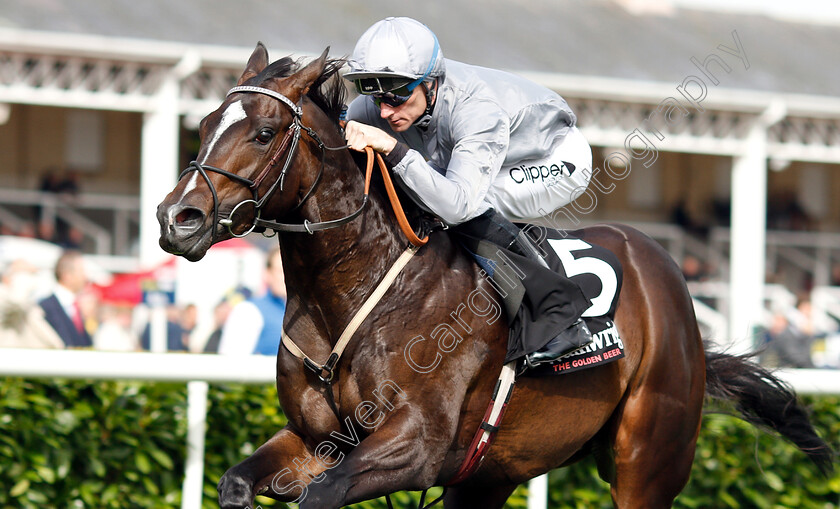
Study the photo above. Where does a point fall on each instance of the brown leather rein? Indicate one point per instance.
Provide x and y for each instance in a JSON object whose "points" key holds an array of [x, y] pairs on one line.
{"points": [[408, 231], [396, 205]]}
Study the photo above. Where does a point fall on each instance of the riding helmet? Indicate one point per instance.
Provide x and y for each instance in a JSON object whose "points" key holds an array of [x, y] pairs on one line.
{"points": [[395, 52]]}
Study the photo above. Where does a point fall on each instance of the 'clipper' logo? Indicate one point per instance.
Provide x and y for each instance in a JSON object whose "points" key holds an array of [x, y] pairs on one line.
{"points": [[524, 173]]}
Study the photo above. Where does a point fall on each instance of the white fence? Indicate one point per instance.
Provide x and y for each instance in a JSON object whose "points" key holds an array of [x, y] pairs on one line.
{"points": [[199, 370], [195, 369]]}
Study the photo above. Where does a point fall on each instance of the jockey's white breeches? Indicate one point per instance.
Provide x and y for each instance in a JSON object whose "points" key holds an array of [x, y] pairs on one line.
{"points": [[531, 190]]}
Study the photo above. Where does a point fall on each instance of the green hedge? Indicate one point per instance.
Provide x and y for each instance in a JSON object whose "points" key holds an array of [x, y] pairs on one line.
{"points": [[68, 444]]}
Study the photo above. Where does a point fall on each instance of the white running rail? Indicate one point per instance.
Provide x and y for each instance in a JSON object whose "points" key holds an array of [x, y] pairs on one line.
{"points": [[197, 370]]}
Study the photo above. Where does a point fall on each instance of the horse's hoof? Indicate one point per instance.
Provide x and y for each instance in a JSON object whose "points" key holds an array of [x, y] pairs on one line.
{"points": [[234, 493]]}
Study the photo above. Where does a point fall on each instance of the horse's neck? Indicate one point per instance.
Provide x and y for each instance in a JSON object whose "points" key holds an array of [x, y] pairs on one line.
{"points": [[330, 273]]}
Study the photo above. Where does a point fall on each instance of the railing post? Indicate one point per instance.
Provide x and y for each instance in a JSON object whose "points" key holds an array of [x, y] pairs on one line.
{"points": [[158, 167], [538, 492], [159, 155], [748, 233], [192, 489]]}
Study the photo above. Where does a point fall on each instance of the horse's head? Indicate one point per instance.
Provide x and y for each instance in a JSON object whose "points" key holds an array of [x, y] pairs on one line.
{"points": [[248, 165]]}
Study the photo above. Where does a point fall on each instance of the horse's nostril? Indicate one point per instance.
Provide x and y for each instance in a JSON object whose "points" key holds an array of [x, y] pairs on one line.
{"points": [[188, 217], [184, 220]]}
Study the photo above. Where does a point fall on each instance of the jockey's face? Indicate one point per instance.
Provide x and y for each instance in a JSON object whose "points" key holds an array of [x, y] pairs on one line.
{"points": [[403, 116]]}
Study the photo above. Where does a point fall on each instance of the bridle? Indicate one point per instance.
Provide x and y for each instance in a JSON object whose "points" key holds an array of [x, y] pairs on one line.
{"points": [[290, 141]]}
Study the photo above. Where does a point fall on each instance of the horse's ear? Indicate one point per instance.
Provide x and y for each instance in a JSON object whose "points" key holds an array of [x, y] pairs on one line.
{"points": [[257, 62], [313, 70]]}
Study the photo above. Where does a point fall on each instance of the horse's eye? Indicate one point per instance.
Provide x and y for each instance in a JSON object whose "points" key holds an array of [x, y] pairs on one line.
{"points": [[265, 135]]}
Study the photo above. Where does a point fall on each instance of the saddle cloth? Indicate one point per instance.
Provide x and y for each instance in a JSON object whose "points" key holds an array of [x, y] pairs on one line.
{"points": [[599, 274]]}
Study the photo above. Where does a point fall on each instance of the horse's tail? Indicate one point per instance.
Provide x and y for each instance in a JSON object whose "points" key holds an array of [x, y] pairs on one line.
{"points": [[766, 401]]}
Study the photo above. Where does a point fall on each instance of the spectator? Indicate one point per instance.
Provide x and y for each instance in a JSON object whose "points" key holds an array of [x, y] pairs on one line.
{"points": [[75, 239], [65, 186], [682, 217], [722, 211], [46, 231], [22, 323], [69, 185], [174, 332], [50, 181], [27, 230], [220, 315], [88, 300], [692, 269], [188, 320], [68, 190], [114, 331], [835, 274], [61, 309], [787, 345], [785, 212], [255, 326], [61, 182]]}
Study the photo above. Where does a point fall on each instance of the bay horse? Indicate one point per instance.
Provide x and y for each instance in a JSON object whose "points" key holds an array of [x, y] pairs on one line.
{"points": [[372, 424]]}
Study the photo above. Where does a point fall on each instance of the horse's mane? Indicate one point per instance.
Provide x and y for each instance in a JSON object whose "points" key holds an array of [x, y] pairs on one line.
{"points": [[327, 92]]}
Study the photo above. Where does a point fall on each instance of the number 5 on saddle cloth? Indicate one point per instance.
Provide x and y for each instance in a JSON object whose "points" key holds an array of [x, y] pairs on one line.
{"points": [[538, 307]]}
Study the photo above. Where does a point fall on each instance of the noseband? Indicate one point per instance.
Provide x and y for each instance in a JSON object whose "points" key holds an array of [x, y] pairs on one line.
{"points": [[289, 144]]}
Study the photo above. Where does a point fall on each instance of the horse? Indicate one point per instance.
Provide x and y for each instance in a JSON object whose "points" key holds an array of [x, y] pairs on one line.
{"points": [[369, 423]]}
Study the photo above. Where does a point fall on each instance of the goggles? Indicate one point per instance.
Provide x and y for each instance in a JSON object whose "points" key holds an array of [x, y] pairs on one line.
{"points": [[392, 91], [391, 99]]}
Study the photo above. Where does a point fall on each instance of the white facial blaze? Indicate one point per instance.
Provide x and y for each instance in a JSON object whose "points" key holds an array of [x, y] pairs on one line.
{"points": [[233, 114]]}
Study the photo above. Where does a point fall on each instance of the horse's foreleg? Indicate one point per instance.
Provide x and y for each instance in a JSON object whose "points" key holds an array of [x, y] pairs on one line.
{"points": [[281, 468], [405, 453]]}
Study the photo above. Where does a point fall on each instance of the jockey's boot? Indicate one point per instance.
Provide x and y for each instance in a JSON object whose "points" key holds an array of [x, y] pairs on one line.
{"points": [[540, 301], [573, 338]]}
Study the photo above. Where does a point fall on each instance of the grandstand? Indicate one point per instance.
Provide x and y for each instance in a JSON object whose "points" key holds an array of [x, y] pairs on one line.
{"points": [[716, 133]]}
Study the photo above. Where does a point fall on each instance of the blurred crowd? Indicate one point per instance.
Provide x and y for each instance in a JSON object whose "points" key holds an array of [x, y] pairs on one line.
{"points": [[68, 311], [793, 334]]}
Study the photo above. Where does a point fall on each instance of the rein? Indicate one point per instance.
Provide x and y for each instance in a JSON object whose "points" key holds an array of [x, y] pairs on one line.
{"points": [[402, 220], [289, 145]]}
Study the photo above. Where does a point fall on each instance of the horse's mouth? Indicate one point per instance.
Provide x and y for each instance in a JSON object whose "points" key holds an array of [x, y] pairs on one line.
{"points": [[193, 248]]}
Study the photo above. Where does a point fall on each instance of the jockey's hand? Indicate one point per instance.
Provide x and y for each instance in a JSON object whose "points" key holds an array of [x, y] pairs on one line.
{"points": [[360, 135]]}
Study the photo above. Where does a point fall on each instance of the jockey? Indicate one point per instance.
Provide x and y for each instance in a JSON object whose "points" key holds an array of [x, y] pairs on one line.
{"points": [[479, 148]]}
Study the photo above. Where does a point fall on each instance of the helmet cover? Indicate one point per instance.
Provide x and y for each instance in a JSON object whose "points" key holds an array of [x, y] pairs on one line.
{"points": [[397, 48]]}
